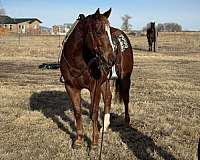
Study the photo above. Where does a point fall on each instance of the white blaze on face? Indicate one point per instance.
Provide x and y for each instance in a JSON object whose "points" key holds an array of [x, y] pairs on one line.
{"points": [[107, 28]]}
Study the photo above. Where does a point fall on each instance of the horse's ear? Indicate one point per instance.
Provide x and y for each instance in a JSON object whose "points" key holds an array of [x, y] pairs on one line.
{"points": [[107, 13], [97, 12]]}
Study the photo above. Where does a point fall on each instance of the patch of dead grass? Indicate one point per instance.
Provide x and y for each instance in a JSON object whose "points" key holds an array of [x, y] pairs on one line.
{"points": [[36, 117]]}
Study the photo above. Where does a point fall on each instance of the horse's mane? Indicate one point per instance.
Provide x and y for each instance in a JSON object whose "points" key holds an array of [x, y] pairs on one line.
{"points": [[70, 31]]}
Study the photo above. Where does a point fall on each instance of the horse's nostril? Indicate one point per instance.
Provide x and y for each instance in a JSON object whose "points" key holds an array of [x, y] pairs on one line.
{"points": [[111, 62]]}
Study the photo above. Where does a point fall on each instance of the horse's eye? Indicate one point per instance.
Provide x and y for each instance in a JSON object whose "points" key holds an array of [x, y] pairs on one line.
{"points": [[98, 33]]}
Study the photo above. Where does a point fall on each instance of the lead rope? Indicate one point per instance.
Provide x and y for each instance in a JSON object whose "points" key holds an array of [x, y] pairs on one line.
{"points": [[96, 81], [103, 125]]}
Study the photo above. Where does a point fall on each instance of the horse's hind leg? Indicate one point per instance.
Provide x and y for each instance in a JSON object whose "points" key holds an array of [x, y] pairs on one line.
{"points": [[154, 46], [149, 45], [125, 86], [107, 97], [75, 95]]}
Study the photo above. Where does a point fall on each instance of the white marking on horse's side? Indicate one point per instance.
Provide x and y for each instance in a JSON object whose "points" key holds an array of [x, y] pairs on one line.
{"points": [[106, 122], [123, 42], [107, 28]]}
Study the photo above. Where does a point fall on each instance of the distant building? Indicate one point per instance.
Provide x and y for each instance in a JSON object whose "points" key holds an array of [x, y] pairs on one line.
{"points": [[67, 26], [56, 29], [20, 25], [61, 29], [45, 30]]}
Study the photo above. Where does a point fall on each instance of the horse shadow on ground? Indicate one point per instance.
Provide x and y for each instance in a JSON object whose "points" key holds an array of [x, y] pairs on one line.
{"points": [[54, 103], [142, 146], [140, 49]]}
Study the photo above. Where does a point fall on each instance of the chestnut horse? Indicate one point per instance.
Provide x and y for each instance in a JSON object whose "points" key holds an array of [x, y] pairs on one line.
{"points": [[87, 58]]}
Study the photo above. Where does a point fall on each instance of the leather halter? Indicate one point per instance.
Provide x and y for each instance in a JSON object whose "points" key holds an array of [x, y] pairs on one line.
{"points": [[103, 65]]}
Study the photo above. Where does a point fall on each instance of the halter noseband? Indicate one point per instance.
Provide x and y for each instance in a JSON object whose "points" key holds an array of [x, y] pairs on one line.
{"points": [[99, 58]]}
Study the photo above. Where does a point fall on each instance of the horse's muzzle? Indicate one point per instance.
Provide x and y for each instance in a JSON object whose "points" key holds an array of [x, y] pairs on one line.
{"points": [[111, 62]]}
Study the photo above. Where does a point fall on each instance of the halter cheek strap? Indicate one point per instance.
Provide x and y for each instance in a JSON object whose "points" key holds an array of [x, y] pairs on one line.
{"points": [[91, 34], [94, 45], [102, 64]]}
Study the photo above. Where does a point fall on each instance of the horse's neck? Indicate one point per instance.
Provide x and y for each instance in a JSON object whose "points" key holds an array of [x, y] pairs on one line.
{"points": [[152, 29], [74, 46], [72, 53]]}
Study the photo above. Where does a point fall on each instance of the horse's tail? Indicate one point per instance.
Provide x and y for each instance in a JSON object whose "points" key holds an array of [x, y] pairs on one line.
{"points": [[118, 91]]}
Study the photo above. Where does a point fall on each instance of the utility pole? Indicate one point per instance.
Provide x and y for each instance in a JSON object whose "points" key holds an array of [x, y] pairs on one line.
{"points": [[19, 34], [59, 38]]}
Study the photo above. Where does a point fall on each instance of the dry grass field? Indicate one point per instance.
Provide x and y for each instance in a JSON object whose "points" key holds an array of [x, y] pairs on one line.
{"points": [[36, 117]]}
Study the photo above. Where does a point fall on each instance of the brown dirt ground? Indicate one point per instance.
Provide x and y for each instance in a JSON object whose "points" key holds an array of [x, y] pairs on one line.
{"points": [[36, 117]]}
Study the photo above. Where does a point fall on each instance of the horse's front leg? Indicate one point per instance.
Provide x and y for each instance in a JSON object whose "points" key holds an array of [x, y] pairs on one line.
{"points": [[75, 95], [151, 47], [107, 97], [154, 46], [95, 98]]}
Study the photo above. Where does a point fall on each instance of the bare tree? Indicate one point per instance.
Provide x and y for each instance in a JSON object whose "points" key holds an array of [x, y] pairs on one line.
{"points": [[169, 27], [125, 24], [2, 13], [160, 27], [2, 10]]}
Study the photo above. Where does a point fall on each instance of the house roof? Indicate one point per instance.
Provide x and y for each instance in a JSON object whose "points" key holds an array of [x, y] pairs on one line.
{"points": [[9, 20], [5, 20]]}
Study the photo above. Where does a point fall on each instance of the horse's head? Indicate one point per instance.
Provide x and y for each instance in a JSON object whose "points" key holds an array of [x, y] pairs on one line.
{"points": [[152, 24], [98, 39]]}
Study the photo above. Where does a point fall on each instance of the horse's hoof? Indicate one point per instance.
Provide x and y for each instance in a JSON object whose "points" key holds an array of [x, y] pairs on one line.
{"points": [[77, 145], [127, 122], [127, 125], [104, 131]]}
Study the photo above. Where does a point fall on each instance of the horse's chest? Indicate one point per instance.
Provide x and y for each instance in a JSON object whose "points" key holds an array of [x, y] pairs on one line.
{"points": [[83, 81]]}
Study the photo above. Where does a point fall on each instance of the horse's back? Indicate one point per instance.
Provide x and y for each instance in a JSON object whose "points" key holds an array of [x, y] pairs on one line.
{"points": [[123, 52]]}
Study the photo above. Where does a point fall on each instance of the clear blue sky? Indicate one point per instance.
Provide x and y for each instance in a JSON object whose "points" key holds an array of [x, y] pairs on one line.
{"points": [[50, 12]]}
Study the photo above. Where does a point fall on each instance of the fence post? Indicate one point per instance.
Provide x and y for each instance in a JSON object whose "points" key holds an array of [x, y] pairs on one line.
{"points": [[19, 39], [59, 41]]}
